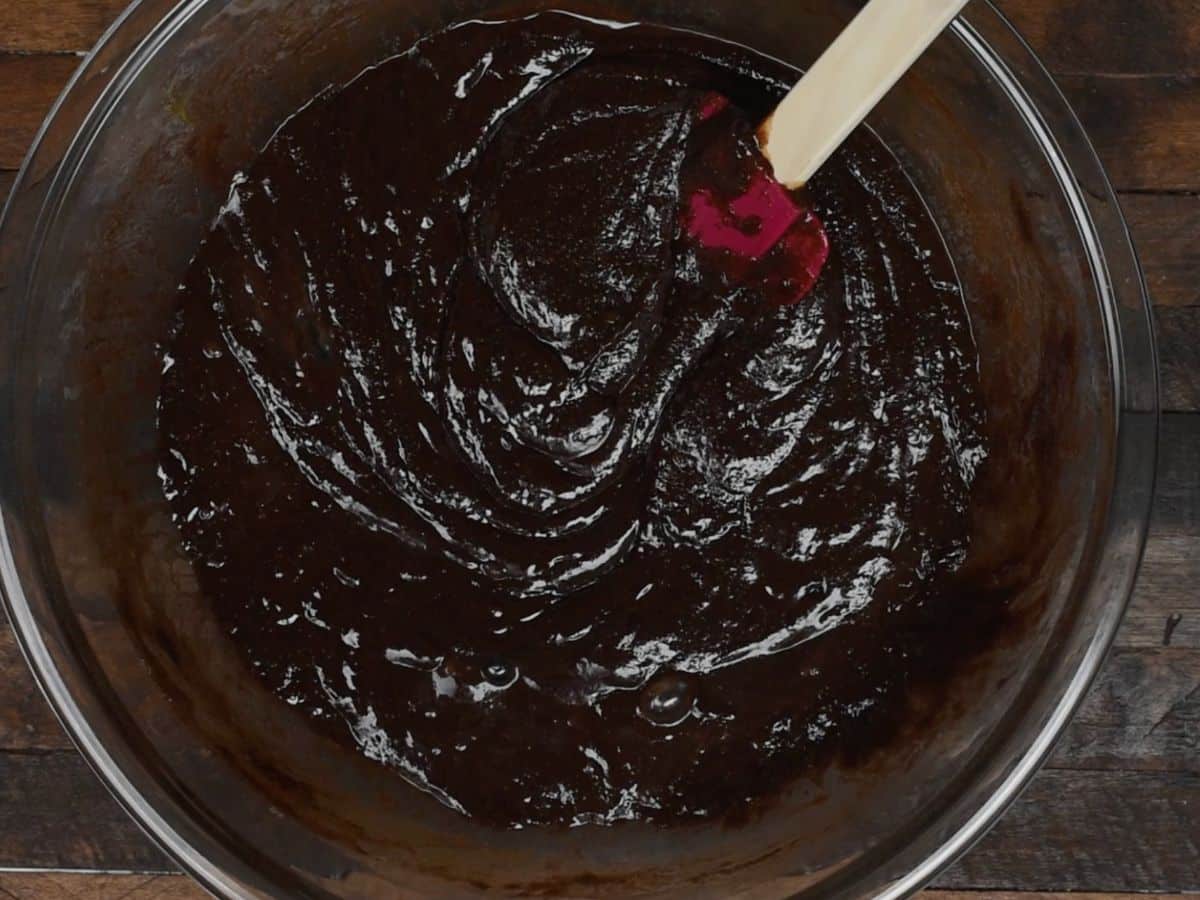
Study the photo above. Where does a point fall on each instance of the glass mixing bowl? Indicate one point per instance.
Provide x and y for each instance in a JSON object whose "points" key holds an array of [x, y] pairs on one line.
{"points": [[123, 182]]}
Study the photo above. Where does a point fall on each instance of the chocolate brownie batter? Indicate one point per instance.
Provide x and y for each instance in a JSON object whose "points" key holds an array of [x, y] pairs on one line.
{"points": [[502, 477]]}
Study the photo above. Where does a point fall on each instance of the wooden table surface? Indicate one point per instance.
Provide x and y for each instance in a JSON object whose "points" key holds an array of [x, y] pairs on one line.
{"points": [[1116, 810]]}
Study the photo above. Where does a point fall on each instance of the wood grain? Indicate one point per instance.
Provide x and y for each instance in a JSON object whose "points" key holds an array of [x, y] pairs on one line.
{"points": [[28, 86], [1143, 714], [59, 26], [74, 886], [1165, 228], [1119, 37], [54, 814], [1092, 831], [1179, 357], [1177, 506], [1126, 117], [1165, 612], [1166, 606], [7, 177], [26, 722]]}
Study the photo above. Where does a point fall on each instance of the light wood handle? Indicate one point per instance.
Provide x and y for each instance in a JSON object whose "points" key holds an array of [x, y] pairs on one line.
{"points": [[847, 82]]}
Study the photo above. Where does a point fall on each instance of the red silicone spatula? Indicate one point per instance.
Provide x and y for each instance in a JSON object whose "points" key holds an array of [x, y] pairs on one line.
{"points": [[761, 217]]}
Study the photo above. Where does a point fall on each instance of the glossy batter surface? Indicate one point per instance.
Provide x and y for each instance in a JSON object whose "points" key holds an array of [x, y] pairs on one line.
{"points": [[500, 478]]}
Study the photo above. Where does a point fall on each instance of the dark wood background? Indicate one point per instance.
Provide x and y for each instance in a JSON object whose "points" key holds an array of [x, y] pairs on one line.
{"points": [[1117, 809]]}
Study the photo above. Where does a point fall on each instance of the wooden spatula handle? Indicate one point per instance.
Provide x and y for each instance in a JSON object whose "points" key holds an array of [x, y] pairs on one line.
{"points": [[847, 82]]}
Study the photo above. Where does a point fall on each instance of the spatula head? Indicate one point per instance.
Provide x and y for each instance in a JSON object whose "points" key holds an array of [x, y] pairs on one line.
{"points": [[743, 219]]}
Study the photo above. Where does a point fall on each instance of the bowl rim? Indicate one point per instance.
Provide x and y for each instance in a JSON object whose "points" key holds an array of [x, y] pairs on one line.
{"points": [[115, 61]]}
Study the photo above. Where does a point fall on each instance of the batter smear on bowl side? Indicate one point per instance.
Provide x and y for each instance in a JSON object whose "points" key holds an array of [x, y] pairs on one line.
{"points": [[501, 471]]}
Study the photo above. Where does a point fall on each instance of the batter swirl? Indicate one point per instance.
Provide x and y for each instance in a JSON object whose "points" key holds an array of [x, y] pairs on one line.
{"points": [[496, 475]]}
